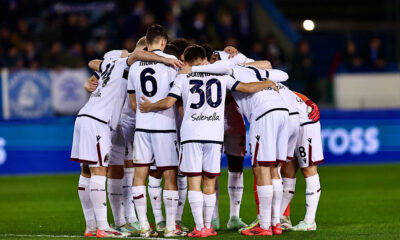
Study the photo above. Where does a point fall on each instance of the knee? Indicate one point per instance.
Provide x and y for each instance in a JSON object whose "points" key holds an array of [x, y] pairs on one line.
{"points": [[85, 171], [235, 163], [309, 171], [288, 170], [170, 178], [115, 171], [209, 185], [140, 176]]}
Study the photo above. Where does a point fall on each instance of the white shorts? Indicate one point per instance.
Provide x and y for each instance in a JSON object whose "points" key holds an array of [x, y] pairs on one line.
{"points": [[162, 146], [309, 145], [200, 158], [269, 138], [117, 151], [128, 131], [235, 131], [91, 142], [293, 134]]}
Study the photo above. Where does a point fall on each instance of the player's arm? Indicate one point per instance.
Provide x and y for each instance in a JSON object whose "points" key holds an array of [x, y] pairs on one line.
{"points": [[91, 83], [271, 74], [254, 87], [264, 65], [219, 67], [147, 106], [314, 115], [132, 101], [179, 106], [95, 65], [143, 55]]}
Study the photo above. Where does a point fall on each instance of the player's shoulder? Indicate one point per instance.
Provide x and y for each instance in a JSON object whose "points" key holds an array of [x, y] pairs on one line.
{"points": [[163, 54]]}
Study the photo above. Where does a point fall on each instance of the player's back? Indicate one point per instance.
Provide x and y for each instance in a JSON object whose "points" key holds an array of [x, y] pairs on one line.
{"points": [[256, 104], [152, 80], [106, 102], [203, 97]]}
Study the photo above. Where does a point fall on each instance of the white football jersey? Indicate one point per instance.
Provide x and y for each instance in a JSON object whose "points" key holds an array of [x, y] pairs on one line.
{"points": [[295, 103], [289, 97], [105, 103], [152, 80], [203, 97], [257, 104]]}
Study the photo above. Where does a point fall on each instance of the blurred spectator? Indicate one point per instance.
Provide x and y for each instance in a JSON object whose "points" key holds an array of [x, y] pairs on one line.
{"points": [[302, 72], [257, 51], [274, 52], [374, 55], [351, 58]]}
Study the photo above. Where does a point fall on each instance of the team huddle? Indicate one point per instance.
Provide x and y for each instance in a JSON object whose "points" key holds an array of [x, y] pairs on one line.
{"points": [[168, 111]]}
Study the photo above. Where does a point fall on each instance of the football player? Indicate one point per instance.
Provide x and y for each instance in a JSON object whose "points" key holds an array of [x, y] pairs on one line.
{"points": [[203, 98]]}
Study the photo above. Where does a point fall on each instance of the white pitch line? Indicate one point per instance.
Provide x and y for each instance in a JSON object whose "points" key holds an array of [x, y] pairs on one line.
{"points": [[72, 236]]}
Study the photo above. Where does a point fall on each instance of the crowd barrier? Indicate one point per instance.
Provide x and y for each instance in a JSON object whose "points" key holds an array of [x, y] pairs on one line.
{"points": [[349, 137]]}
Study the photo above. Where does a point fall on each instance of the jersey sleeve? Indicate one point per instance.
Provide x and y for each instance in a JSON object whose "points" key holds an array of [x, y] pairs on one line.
{"points": [[274, 75], [177, 87], [131, 80], [231, 83], [219, 67], [171, 76]]}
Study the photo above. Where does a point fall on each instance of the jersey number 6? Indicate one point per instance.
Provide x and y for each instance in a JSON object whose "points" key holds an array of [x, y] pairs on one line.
{"points": [[146, 76], [208, 95]]}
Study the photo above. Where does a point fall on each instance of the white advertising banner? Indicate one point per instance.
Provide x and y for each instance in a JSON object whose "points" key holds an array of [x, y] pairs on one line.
{"points": [[68, 94]]}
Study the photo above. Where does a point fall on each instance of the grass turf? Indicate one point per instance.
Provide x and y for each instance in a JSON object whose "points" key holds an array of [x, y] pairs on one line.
{"points": [[357, 202]]}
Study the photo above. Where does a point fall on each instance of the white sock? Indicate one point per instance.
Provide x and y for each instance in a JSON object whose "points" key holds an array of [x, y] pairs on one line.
{"points": [[196, 204], [115, 197], [313, 192], [154, 189], [171, 199], [98, 197], [276, 201], [235, 190], [289, 186], [129, 205], [209, 204], [139, 196], [216, 213], [265, 195], [87, 207], [182, 190]]}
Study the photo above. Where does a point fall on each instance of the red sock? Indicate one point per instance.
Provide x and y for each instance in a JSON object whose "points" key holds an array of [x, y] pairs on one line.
{"points": [[256, 195], [287, 211]]}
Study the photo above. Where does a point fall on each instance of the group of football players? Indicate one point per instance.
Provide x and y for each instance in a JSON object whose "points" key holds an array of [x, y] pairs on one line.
{"points": [[167, 111]]}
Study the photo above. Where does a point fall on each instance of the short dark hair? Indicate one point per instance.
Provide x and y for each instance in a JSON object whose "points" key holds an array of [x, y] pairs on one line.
{"points": [[208, 50], [181, 44], [155, 32], [194, 52], [172, 50]]}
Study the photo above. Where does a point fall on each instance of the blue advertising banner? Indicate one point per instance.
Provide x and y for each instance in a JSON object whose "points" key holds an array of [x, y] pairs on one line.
{"points": [[349, 137], [29, 94]]}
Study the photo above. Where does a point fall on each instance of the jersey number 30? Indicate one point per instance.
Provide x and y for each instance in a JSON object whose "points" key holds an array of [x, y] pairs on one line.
{"points": [[147, 76], [207, 95]]}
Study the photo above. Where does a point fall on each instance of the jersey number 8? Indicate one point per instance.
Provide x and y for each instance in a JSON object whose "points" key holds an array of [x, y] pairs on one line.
{"points": [[146, 76], [207, 95]]}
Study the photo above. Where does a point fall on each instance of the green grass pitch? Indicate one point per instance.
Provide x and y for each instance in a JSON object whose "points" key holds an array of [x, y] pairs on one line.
{"points": [[357, 202]]}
